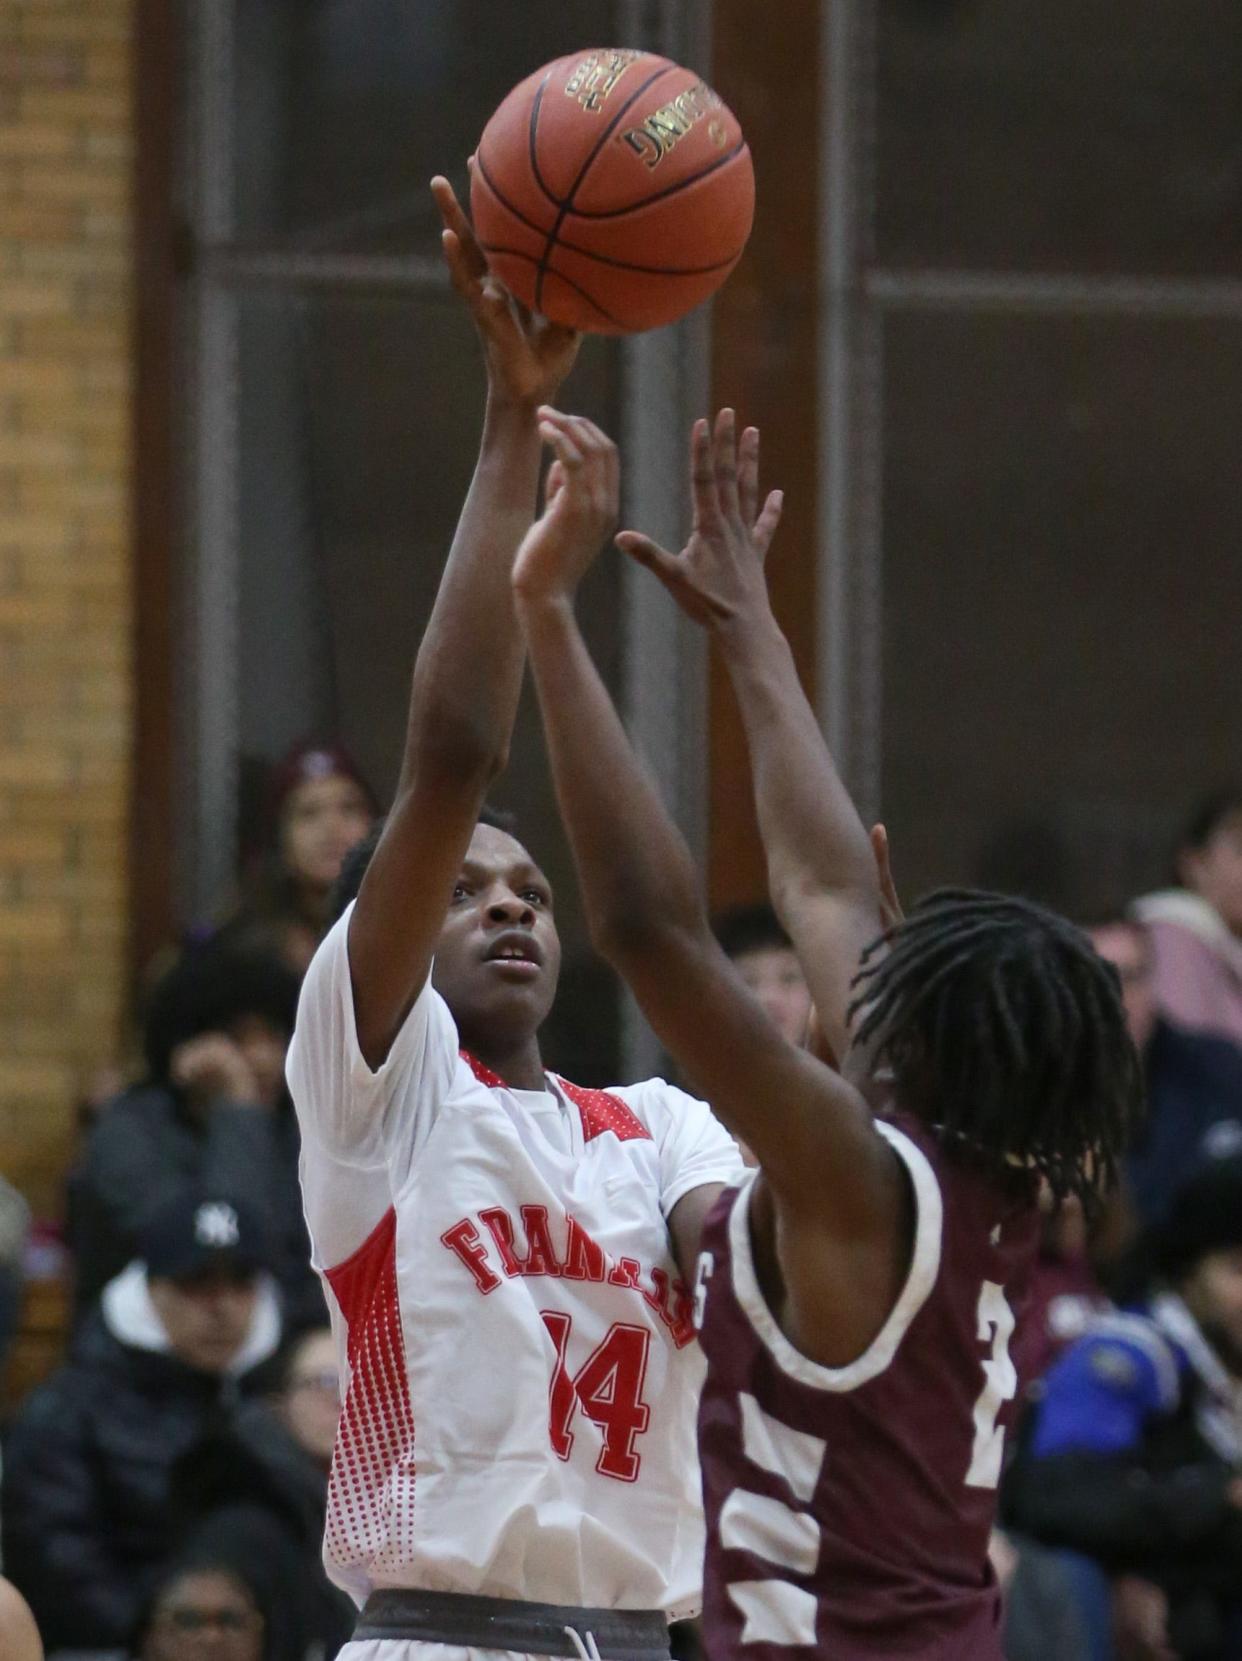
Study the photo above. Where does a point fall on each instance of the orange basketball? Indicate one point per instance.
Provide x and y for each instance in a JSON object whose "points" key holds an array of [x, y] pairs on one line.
{"points": [[612, 191]]}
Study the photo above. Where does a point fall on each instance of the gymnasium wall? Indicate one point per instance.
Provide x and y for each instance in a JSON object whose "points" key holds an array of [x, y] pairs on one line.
{"points": [[65, 686]]}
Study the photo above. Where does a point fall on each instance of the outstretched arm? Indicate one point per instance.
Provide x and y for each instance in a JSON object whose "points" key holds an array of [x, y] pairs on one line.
{"points": [[837, 1185], [468, 672], [828, 878]]}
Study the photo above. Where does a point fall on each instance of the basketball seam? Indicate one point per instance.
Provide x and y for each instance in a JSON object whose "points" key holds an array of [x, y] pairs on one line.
{"points": [[618, 116], [521, 254], [589, 253], [670, 190], [531, 128]]}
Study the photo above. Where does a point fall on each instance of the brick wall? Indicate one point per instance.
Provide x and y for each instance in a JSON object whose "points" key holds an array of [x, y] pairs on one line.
{"points": [[65, 697]]}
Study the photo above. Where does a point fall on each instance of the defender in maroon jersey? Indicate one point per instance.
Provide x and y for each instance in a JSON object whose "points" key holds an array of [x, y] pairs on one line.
{"points": [[858, 1294]]}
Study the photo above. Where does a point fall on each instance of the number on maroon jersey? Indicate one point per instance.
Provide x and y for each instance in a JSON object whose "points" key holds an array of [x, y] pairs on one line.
{"points": [[608, 1387], [996, 1322]]}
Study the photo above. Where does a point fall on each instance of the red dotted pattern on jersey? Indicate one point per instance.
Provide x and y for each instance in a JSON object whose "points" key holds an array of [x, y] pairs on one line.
{"points": [[370, 1519], [600, 1112], [597, 1109]]}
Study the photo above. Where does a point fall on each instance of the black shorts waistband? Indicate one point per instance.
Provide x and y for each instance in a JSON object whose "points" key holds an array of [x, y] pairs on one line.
{"points": [[507, 1623]]}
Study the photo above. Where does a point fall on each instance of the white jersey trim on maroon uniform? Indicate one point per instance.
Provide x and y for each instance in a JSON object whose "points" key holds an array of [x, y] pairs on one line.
{"points": [[924, 1267]]}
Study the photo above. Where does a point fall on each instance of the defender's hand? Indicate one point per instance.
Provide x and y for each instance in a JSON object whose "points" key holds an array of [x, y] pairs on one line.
{"points": [[580, 509], [718, 576], [527, 357]]}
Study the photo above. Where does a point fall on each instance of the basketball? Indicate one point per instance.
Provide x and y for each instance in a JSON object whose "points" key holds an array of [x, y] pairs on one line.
{"points": [[612, 191]]}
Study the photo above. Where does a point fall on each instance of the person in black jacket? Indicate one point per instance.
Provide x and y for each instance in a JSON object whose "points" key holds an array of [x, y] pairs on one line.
{"points": [[213, 1111], [175, 1344], [1194, 1080], [254, 1492], [1133, 1455]]}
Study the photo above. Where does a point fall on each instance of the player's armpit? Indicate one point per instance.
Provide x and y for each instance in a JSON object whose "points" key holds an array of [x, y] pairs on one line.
{"points": [[809, 1129], [685, 1226]]}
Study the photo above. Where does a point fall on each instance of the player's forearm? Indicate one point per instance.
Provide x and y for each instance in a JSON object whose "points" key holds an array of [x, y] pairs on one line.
{"points": [[812, 835], [637, 878], [469, 669]]}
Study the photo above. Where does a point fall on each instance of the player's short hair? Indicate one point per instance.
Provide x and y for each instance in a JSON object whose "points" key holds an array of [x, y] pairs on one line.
{"points": [[749, 928], [354, 865], [1005, 1032]]}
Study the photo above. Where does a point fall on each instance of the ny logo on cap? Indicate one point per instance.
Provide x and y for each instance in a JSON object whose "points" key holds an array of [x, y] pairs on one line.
{"points": [[215, 1224]]}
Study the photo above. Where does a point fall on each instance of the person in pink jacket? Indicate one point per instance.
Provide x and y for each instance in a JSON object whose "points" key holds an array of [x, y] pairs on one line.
{"points": [[1196, 930]]}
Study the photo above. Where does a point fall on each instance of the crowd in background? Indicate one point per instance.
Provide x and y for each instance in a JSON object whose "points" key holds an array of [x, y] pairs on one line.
{"points": [[169, 1478]]}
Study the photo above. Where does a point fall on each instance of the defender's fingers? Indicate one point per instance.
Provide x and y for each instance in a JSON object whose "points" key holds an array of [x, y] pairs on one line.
{"points": [[668, 569], [748, 475], [562, 447], [555, 481], [767, 522], [703, 476], [724, 461]]}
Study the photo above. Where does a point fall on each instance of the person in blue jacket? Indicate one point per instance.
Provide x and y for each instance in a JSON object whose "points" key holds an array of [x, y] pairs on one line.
{"points": [[1133, 1452]]}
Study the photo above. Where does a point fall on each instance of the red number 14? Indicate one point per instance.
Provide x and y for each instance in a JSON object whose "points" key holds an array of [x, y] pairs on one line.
{"points": [[608, 1387]]}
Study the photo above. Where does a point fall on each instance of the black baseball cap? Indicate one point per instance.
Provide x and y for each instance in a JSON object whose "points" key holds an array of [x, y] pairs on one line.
{"points": [[195, 1232]]}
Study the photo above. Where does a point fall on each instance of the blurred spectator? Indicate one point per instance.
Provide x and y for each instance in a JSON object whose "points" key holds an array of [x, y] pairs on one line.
{"points": [[1194, 1081], [254, 1492], [14, 1232], [202, 1609], [1197, 929], [19, 1639], [213, 1111], [1065, 1296], [1134, 1453], [318, 806], [87, 1504], [764, 957]]}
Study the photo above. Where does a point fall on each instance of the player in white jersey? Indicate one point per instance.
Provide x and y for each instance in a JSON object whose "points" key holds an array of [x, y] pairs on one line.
{"points": [[506, 1255]]}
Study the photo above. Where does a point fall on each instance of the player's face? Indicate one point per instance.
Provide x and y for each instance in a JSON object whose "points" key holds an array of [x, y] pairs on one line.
{"points": [[499, 955], [1215, 871], [1129, 951], [1214, 1295], [322, 821]]}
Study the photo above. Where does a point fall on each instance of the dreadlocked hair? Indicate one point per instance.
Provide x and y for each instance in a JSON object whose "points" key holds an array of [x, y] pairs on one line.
{"points": [[1005, 1033]]}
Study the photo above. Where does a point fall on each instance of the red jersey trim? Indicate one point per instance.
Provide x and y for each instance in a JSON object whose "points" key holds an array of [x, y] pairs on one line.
{"points": [[598, 1109], [371, 1486]]}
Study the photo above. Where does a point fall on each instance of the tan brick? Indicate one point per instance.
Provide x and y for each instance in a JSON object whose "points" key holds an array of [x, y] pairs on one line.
{"points": [[74, 25], [24, 67], [38, 450], [43, 376], [91, 183], [104, 108], [50, 924], [24, 220], [43, 140], [68, 337], [32, 849], [45, 297]]}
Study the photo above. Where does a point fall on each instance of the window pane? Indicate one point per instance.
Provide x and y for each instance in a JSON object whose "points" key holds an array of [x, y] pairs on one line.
{"points": [[1074, 135], [1062, 589], [359, 428], [347, 107]]}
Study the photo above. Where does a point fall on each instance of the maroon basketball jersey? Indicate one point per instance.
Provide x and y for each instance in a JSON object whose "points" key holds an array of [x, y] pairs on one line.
{"points": [[848, 1509]]}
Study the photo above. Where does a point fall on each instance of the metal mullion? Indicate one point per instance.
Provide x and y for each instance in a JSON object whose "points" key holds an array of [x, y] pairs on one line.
{"points": [[666, 383], [212, 636]]}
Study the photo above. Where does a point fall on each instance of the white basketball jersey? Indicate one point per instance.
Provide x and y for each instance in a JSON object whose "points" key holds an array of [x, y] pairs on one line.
{"points": [[520, 1375]]}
